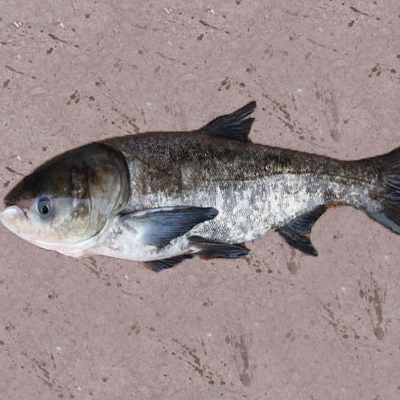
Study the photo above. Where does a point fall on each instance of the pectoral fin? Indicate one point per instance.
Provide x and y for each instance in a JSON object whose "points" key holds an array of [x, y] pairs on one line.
{"points": [[297, 232], [212, 249], [158, 226]]}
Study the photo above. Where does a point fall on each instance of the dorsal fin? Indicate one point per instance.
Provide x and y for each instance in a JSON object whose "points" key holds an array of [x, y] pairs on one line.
{"points": [[232, 126]]}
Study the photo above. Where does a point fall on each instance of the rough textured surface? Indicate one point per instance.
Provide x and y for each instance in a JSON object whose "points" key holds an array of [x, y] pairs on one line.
{"points": [[276, 325]]}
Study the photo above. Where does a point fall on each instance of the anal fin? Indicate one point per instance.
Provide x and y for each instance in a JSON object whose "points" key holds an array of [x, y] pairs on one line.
{"points": [[297, 231], [159, 265]]}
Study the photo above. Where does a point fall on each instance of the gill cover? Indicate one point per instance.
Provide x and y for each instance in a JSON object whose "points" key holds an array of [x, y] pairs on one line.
{"points": [[69, 198]]}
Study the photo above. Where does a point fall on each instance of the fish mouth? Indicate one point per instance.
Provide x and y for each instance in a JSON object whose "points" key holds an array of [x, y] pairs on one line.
{"points": [[9, 215], [13, 209], [13, 201], [11, 218]]}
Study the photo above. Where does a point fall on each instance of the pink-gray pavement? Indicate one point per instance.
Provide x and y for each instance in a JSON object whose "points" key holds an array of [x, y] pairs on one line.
{"points": [[274, 325]]}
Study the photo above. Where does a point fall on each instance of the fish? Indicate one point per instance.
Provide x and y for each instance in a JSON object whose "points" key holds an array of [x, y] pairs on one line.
{"points": [[164, 197]]}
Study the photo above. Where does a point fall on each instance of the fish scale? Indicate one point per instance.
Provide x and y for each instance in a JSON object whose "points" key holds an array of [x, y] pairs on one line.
{"points": [[264, 185]]}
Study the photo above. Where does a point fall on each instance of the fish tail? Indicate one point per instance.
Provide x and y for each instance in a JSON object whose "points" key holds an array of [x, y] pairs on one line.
{"points": [[388, 193]]}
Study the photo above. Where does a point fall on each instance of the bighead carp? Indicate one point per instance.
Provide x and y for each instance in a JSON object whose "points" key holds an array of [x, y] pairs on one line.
{"points": [[162, 197]]}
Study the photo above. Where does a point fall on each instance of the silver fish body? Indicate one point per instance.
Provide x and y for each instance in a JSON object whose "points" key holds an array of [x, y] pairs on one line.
{"points": [[206, 192], [254, 188]]}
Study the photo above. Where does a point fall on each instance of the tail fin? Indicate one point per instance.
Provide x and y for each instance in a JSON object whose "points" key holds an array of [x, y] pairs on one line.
{"points": [[389, 197]]}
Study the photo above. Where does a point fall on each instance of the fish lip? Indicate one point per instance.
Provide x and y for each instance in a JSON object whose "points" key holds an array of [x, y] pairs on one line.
{"points": [[14, 201], [11, 210], [11, 201], [7, 217], [13, 204]]}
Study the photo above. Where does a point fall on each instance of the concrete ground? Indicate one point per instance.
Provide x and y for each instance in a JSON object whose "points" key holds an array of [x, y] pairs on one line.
{"points": [[275, 325]]}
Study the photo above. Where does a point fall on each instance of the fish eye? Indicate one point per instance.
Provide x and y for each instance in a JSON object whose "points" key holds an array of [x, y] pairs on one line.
{"points": [[44, 205]]}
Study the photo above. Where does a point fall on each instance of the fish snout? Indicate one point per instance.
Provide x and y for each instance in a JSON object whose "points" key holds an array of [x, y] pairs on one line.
{"points": [[14, 201], [11, 215]]}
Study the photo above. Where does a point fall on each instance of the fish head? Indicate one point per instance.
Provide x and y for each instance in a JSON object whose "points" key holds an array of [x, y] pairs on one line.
{"points": [[68, 200]]}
